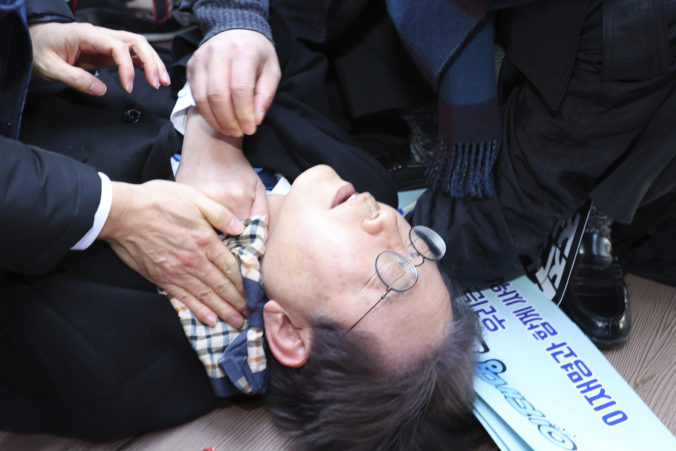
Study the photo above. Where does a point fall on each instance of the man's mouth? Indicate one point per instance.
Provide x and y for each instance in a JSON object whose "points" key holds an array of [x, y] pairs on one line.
{"points": [[344, 194]]}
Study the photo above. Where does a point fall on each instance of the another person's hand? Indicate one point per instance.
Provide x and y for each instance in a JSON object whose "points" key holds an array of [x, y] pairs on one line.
{"points": [[233, 77], [65, 51], [165, 232], [215, 164]]}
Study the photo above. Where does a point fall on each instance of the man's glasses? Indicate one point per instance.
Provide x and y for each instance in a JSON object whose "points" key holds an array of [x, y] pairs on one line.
{"points": [[398, 272]]}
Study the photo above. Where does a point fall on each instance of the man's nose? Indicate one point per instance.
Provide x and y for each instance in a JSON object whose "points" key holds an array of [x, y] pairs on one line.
{"points": [[384, 223]]}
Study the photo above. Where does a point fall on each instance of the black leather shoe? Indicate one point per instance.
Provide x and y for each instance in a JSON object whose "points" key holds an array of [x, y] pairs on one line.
{"points": [[597, 299]]}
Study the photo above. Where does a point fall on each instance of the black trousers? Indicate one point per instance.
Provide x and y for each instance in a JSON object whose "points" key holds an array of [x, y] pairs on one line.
{"points": [[611, 139]]}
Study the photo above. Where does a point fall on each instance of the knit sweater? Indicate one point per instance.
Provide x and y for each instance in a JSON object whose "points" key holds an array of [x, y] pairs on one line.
{"points": [[215, 16]]}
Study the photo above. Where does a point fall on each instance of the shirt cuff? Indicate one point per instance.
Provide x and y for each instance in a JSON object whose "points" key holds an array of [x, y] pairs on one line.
{"points": [[179, 115], [100, 216]]}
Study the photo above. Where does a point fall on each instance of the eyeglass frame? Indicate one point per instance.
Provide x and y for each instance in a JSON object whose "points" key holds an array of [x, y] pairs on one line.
{"points": [[409, 263]]}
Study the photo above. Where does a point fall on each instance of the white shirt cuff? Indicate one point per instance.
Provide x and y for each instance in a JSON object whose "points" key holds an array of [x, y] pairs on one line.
{"points": [[179, 114], [100, 216]]}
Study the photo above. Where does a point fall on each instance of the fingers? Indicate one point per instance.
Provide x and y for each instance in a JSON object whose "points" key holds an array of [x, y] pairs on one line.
{"points": [[208, 85], [74, 77], [129, 49], [200, 310], [145, 56], [224, 95], [55, 46], [218, 102], [260, 203], [219, 216], [265, 89], [126, 50], [243, 77], [207, 307], [233, 78], [224, 263], [211, 286], [209, 77], [120, 54], [164, 231], [165, 80], [62, 51]]}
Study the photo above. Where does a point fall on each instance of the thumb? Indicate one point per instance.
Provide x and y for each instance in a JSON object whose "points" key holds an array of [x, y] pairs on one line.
{"points": [[77, 78], [218, 216], [260, 204]]}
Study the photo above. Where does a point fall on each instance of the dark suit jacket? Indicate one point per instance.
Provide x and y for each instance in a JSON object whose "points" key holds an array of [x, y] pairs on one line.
{"points": [[90, 347], [47, 201]]}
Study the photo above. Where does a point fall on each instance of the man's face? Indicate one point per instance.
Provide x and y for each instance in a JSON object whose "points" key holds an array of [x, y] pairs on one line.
{"points": [[320, 260]]}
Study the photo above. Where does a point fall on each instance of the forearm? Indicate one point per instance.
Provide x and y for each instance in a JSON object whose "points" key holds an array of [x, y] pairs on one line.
{"points": [[215, 164], [205, 149]]}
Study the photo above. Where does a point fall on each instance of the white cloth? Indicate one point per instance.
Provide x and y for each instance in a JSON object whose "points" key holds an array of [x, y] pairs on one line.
{"points": [[179, 114]]}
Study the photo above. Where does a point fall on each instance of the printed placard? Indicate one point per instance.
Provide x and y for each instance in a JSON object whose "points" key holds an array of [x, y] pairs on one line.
{"points": [[543, 385]]}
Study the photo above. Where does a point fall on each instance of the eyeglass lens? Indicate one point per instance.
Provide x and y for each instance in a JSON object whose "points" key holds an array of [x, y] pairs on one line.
{"points": [[427, 242], [396, 271]]}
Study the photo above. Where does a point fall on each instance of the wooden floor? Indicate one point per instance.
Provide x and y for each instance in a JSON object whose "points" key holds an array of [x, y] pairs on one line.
{"points": [[647, 362]]}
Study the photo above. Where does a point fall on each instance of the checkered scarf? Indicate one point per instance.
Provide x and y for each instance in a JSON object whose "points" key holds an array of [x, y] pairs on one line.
{"points": [[235, 358]]}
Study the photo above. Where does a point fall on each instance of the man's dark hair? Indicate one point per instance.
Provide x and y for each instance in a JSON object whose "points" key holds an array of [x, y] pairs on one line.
{"points": [[345, 398]]}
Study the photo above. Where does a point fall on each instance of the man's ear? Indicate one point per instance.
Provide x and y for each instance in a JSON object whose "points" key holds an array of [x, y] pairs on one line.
{"points": [[289, 343]]}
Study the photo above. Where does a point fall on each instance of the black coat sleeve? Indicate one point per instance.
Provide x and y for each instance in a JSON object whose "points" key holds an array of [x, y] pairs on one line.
{"points": [[48, 11], [48, 203], [477, 234]]}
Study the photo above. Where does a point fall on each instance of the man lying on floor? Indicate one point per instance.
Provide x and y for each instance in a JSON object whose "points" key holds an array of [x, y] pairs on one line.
{"points": [[360, 324], [361, 354], [90, 348]]}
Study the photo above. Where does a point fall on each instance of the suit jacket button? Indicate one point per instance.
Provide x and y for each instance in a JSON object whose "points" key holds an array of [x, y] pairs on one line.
{"points": [[131, 116]]}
